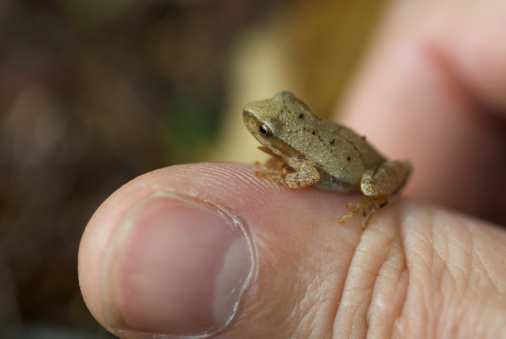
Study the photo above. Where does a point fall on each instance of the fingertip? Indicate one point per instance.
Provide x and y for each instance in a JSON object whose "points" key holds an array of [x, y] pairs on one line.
{"points": [[152, 260]]}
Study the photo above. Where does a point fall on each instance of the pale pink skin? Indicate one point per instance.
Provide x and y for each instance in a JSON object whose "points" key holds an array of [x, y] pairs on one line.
{"points": [[419, 270]]}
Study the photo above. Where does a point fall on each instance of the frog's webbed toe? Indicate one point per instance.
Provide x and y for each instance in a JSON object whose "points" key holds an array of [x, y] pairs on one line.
{"points": [[366, 207], [276, 175]]}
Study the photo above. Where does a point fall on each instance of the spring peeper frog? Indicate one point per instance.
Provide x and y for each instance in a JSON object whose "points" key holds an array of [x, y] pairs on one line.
{"points": [[308, 150]]}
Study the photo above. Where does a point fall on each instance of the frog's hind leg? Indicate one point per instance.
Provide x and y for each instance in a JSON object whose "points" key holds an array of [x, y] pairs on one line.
{"points": [[379, 187], [387, 180]]}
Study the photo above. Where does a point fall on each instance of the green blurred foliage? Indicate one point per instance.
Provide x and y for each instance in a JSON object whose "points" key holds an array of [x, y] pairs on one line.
{"points": [[191, 131]]}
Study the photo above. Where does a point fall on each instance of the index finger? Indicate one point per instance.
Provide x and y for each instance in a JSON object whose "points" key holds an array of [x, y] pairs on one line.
{"points": [[430, 91]]}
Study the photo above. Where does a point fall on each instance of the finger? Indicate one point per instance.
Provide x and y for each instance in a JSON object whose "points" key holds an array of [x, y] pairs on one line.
{"points": [[207, 248], [431, 91]]}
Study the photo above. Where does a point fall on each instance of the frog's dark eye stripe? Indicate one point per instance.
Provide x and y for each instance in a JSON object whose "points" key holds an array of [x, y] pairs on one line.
{"points": [[265, 130]]}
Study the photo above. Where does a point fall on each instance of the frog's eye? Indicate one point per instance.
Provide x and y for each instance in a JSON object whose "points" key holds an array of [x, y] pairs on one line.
{"points": [[265, 130]]}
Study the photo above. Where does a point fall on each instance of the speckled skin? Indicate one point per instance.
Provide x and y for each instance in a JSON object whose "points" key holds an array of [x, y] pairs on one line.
{"points": [[340, 155], [321, 153]]}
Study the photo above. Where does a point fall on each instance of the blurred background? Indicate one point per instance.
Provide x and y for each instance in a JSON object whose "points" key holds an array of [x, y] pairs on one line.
{"points": [[94, 93]]}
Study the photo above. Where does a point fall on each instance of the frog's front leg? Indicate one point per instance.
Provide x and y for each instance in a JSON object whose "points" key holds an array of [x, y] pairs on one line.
{"points": [[275, 164], [379, 187], [303, 175]]}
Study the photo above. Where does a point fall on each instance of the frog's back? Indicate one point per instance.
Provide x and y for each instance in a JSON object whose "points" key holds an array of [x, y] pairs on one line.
{"points": [[341, 156]]}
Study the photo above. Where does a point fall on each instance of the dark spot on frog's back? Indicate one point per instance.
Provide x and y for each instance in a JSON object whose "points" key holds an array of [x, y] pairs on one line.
{"points": [[313, 132], [332, 141], [348, 158], [301, 115]]}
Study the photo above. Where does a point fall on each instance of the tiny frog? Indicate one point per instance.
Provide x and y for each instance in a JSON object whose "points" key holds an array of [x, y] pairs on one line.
{"points": [[308, 150]]}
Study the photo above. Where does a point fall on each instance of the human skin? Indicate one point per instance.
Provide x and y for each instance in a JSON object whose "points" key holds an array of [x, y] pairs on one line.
{"points": [[432, 89]]}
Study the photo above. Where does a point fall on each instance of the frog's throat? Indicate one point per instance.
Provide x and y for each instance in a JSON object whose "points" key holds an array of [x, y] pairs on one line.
{"points": [[284, 150]]}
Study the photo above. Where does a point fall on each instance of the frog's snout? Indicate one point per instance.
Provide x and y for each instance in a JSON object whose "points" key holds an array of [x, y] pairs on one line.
{"points": [[246, 115], [247, 111]]}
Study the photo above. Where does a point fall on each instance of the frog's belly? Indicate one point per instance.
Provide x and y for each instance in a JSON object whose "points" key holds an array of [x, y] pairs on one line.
{"points": [[333, 183]]}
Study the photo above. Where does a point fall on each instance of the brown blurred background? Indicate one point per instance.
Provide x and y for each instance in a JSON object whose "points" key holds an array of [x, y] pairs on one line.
{"points": [[94, 93]]}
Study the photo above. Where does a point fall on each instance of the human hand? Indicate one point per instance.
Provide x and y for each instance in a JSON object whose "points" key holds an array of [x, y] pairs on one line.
{"points": [[175, 250]]}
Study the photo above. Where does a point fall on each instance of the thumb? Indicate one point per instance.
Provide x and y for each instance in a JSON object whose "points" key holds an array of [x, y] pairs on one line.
{"points": [[200, 249]]}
